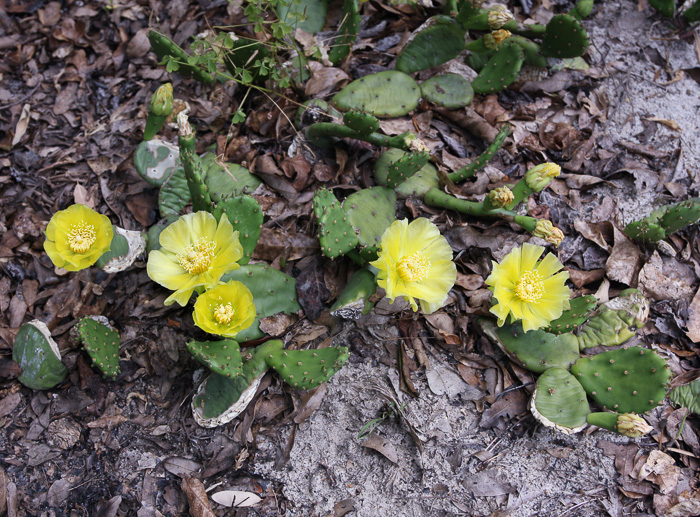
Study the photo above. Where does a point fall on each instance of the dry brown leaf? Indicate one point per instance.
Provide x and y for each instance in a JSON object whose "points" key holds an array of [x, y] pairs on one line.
{"points": [[276, 243], [660, 469], [181, 467], [3, 491], [487, 483], [666, 279], [235, 498], [382, 446], [22, 124], [324, 80], [310, 401], [666, 122], [8, 405], [624, 261], [278, 324], [108, 421], [197, 498], [694, 319]]}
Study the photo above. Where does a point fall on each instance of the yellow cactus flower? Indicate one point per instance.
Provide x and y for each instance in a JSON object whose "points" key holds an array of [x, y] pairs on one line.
{"points": [[77, 236], [634, 426], [225, 310], [195, 252], [415, 261], [529, 289]]}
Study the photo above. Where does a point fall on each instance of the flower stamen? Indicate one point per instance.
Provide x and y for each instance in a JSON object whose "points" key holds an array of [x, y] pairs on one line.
{"points": [[413, 268], [530, 287], [223, 314], [196, 259], [81, 237]]}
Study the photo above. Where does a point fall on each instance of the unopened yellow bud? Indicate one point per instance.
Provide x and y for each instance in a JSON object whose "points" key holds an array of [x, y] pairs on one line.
{"points": [[498, 16], [544, 229], [501, 197], [540, 176], [162, 100], [634, 426]]}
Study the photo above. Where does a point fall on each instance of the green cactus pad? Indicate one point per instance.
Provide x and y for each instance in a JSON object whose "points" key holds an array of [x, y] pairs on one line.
{"points": [[687, 396], [665, 7], [582, 9], [246, 217], [363, 123], [645, 231], [580, 310], [354, 302], [564, 37], [163, 46], [472, 17], [347, 32], [156, 161], [501, 70], [335, 232], [440, 39], [450, 91], [307, 369], [384, 94], [308, 15], [417, 185], [559, 401], [535, 350], [370, 212], [627, 380], [37, 354], [224, 180], [220, 399], [221, 357], [478, 60], [119, 247], [273, 292], [194, 172], [616, 321], [678, 216], [405, 167], [174, 194], [531, 51], [102, 345]]}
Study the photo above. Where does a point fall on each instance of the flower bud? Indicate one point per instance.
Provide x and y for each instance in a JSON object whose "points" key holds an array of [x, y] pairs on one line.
{"points": [[162, 101], [501, 197], [634, 426], [544, 229], [493, 41], [498, 16], [540, 176]]}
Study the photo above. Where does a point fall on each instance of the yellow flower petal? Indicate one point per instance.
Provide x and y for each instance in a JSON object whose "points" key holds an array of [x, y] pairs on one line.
{"points": [[77, 237], [196, 252], [225, 310], [529, 289], [415, 262]]}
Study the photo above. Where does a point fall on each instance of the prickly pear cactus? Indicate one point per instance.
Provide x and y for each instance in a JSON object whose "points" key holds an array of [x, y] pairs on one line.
{"points": [[125, 248], [370, 212], [223, 180], [335, 232], [564, 37], [174, 194], [220, 399], [307, 369], [580, 310], [273, 292], [37, 353], [354, 302], [531, 51], [450, 91], [559, 401], [165, 47], [156, 160], [308, 15], [417, 185], [315, 110], [501, 70], [362, 123], [664, 221], [246, 217], [438, 40], [629, 380], [102, 345], [687, 396], [616, 321], [405, 167], [535, 350], [347, 32], [385, 94], [222, 357]]}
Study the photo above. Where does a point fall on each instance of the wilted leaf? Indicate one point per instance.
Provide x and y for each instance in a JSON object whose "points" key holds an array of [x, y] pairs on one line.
{"points": [[197, 498], [624, 261], [487, 483], [666, 279], [509, 405], [382, 446], [443, 381], [181, 467], [694, 319], [235, 498], [22, 124], [661, 470]]}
